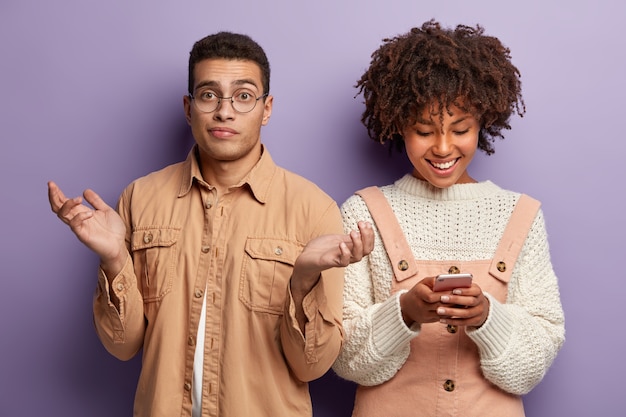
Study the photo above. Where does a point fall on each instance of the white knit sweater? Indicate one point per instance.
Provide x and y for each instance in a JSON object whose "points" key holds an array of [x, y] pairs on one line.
{"points": [[464, 222]]}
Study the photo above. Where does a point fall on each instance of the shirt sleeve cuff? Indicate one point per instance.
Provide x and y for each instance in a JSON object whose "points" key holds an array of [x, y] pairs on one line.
{"points": [[119, 285], [311, 303]]}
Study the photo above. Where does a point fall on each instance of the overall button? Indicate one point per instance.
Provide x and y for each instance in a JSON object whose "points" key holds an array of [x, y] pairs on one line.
{"points": [[147, 238], [403, 265], [452, 328], [448, 385], [278, 251], [501, 266], [454, 270]]}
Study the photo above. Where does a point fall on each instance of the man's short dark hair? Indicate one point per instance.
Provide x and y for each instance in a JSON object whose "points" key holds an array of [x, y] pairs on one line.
{"points": [[228, 45]]}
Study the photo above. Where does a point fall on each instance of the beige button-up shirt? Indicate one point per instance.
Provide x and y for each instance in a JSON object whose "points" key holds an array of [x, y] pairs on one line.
{"points": [[240, 250]]}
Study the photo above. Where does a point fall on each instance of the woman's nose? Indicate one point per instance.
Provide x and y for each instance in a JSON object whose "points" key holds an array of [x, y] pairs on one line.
{"points": [[442, 145]]}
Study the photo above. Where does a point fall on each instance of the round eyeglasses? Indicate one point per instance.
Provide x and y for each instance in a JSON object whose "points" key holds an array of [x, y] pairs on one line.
{"points": [[242, 100]]}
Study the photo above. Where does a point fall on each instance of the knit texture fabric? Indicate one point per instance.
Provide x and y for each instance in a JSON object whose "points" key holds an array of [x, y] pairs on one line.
{"points": [[464, 222]]}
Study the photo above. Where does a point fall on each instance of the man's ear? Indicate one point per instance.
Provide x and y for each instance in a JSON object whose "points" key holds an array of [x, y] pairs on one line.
{"points": [[267, 109], [187, 108]]}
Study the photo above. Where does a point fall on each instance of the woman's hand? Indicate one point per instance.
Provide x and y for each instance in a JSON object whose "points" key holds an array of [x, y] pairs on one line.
{"points": [[459, 307]]}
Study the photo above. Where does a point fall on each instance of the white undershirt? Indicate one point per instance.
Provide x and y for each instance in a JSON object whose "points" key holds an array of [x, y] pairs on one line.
{"points": [[198, 362]]}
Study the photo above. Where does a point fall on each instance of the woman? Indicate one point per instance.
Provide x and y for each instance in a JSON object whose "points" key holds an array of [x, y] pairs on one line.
{"points": [[440, 94]]}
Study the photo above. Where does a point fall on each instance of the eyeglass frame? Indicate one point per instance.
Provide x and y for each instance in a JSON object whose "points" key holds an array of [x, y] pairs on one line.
{"points": [[232, 101]]}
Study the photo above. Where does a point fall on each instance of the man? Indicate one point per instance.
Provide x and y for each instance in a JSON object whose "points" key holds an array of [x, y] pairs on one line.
{"points": [[207, 266]]}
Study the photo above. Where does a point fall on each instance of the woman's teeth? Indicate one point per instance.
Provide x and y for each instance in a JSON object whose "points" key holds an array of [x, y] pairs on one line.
{"points": [[445, 165]]}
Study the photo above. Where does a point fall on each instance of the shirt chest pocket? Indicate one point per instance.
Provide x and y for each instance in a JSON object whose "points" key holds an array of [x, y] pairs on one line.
{"points": [[267, 267], [154, 255]]}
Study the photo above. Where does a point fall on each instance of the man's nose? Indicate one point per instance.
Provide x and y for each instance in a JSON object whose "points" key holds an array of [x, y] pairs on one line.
{"points": [[225, 109]]}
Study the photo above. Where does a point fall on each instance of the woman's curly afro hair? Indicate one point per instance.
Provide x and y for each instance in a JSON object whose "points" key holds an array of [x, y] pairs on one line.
{"points": [[434, 66]]}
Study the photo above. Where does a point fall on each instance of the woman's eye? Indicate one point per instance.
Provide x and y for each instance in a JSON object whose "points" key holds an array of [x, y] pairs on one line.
{"points": [[423, 134], [461, 132]]}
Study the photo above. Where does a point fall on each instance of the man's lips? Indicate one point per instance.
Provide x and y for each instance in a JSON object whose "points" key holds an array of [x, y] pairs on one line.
{"points": [[222, 132]]}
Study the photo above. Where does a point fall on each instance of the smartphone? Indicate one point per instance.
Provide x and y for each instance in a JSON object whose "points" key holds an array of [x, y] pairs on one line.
{"points": [[447, 282]]}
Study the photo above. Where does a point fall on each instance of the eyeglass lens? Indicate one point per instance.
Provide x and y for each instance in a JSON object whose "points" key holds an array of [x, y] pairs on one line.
{"points": [[242, 100]]}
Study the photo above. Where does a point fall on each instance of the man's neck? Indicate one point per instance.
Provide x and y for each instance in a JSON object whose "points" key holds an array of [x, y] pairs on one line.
{"points": [[224, 174]]}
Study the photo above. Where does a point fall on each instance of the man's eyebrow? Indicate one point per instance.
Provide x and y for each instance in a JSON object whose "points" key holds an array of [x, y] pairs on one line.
{"points": [[245, 81], [216, 85]]}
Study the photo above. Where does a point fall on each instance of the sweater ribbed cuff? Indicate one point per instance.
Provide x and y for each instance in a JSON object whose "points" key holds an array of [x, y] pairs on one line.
{"points": [[494, 336], [390, 333]]}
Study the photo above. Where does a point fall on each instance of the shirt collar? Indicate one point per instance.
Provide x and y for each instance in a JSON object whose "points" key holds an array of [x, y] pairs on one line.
{"points": [[258, 179]]}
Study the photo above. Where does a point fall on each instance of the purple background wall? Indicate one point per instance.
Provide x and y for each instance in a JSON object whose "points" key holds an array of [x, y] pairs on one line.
{"points": [[91, 96]]}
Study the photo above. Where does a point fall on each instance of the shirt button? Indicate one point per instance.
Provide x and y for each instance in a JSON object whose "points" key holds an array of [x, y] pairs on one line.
{"points": [[198, 293], [452, 329], [187, 386], [120, 286], [191, 341], [278, 250], [205, 249], [501, 266], [147, 238], [208, 204], [448, 385]]}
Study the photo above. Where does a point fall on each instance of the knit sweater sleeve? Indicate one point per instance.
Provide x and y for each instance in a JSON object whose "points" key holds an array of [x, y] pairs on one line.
{"points": [[521, 338], [377, 341]]}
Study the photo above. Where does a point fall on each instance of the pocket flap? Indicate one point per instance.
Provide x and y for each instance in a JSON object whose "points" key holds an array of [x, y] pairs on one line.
{"points": [[272, 249], [150, 237]]}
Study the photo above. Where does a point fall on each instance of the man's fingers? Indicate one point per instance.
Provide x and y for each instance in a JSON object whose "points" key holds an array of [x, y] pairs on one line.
{"points": [[94, 199], [77, 221], [357, 245], [362, 241], [56, 197], [367, 237], [346, 256], [70, 208]]}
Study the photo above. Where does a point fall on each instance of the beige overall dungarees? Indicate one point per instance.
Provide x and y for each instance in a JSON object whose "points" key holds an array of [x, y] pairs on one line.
{"points": [[442, 375]]}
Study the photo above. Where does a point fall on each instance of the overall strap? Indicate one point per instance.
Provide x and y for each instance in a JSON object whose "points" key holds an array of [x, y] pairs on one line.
{"points": [[398, 250], [514, 237]]}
